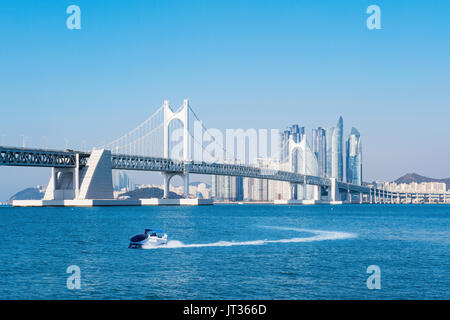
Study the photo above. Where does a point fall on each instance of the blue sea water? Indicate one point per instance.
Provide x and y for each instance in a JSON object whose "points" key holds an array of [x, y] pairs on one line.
{"points": [[227, 252]]}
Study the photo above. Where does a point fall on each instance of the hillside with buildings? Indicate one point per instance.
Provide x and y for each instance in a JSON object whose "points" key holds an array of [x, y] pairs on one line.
{"points": [[147, 193], [414, 177], [415, 183], [33, 193], [197, 189]]}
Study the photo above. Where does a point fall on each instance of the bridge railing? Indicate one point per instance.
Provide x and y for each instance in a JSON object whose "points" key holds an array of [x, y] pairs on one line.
{"points": [[12, 156], [128, 162]]}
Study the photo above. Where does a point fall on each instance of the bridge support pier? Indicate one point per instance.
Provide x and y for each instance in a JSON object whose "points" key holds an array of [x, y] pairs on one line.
{"points": [[186, 185], [63, 184], [316, 193], [93, 181], [168, 176], [51, 187], [77, 176], [304, 191], [292, 187], [334, 194]]}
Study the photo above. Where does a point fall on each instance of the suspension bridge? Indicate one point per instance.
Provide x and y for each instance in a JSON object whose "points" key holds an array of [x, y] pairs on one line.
{"points": [[173, 143]]}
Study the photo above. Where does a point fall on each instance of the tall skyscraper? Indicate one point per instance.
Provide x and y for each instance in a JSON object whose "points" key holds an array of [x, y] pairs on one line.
{"points": [[296, 132], [354, 157], [319, 147], [338, 150], [335, 151], [121, 181], [227, 188], [328, 152]]}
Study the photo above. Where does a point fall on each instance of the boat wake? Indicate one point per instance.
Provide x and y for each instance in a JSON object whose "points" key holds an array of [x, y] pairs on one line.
{"points": [[317, 235]]}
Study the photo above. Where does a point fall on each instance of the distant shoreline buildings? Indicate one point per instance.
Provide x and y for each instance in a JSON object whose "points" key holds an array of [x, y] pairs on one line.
{"points": [[414, 187], [121, 181]]}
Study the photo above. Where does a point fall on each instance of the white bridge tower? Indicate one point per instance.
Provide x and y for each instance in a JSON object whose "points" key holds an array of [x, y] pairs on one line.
{"points": [[182, 114]]}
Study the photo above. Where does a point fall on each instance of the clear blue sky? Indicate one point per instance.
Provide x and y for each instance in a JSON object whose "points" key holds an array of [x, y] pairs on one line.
{"points": [[249, 64]]}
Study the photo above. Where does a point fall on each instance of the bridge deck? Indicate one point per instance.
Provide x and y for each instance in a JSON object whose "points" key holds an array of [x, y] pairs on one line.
{"points": [[11, 156]]}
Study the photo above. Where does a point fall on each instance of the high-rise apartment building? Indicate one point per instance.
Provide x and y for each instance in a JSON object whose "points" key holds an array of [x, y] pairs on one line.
{"points": [[295, 132], [354, 157], [227, 188], [338, 151], [335, 151], [319, 148], [121, 181]]}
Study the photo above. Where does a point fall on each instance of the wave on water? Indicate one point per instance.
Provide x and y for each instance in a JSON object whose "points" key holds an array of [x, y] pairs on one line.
{"points": [[317, 235]]}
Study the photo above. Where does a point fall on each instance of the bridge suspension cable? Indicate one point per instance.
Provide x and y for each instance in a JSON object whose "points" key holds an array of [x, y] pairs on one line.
{"points": [[226, 155], [144, 140], [147, 139], [139, 140]]}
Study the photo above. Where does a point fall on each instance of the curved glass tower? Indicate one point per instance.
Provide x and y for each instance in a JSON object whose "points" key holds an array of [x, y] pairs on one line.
{"points": [[334, 149], [319, 146], [338, 151], [354, 157]]}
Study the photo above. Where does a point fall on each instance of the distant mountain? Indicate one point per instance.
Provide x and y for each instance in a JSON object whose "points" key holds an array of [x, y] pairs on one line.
{"points": [[143, 193], [28, 194], [146, 193], [414, 177]]}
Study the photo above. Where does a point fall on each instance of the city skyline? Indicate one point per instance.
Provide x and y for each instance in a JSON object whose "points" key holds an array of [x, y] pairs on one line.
{"points": [[296, 132], [388, 83], [80, 178]]}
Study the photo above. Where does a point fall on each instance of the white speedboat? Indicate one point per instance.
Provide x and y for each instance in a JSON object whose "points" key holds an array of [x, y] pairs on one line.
{"points": [[151, 237]]}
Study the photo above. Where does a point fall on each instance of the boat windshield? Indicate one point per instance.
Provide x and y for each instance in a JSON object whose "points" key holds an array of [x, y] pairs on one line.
{"points": [[155, 232]]}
